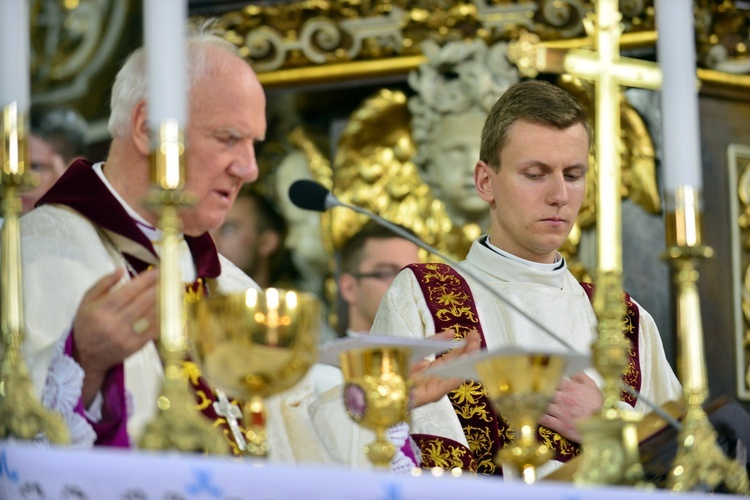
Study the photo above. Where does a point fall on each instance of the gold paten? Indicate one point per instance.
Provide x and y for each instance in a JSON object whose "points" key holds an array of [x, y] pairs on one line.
{"points": [[376, 394], [521, 387], [253, 345], [177, 424], [22, 415]]}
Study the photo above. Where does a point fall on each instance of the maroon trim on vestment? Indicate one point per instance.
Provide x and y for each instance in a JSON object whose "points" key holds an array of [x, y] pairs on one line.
{"points": [[111, 430], [443, 452], [449, 299], [81, 189], [631, 326]]}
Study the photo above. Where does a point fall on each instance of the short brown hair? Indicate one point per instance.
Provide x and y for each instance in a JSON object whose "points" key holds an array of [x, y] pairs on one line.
{"points": [[535, 101], [352, 251]]}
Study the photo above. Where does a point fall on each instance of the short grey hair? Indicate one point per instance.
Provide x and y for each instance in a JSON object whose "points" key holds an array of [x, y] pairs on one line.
{"points": [[130, 83]]}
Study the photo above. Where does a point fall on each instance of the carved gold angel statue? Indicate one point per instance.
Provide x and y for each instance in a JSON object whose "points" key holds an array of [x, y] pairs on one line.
{"points": [[411, 160]]}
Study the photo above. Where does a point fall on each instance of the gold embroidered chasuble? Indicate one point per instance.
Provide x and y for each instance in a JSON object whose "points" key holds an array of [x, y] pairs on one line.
{"points": [[450, 299]]}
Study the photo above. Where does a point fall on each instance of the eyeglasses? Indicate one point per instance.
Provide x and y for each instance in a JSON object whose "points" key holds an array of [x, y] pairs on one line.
{"points": [[382, 275]]}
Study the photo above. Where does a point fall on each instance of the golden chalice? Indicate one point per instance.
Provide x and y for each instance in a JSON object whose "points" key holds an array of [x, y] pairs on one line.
{"points": [[252, 345], [521, 387], [377, 394]]}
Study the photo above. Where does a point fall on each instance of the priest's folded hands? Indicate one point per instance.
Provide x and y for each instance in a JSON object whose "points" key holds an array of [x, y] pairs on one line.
{"points": [[430, 389], [575, 399]]}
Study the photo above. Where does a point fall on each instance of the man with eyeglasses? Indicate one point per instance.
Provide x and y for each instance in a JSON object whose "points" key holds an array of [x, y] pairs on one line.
{"points": [[369, 261]]}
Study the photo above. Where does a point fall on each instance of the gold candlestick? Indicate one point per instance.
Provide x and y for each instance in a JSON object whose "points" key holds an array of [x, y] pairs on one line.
{"points": [[177, 424], [21, 414], [700, 462]]}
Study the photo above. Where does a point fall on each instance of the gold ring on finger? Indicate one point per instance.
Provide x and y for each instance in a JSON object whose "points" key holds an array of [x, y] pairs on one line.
{"points": [[139, 326]]}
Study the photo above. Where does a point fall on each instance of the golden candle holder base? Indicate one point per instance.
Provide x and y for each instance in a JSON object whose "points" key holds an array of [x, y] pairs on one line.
{"points": [[610, 444], [377, 394], [21, 414], [253, 345], [521, 387], [177, 425], [700, 462]]}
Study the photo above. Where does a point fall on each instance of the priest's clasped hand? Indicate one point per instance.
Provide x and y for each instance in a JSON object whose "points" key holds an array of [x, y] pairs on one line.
{"points": [[112, 322], [576, 398], [431, 389]]}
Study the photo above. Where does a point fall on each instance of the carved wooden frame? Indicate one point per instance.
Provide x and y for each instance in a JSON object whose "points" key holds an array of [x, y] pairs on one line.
{"points": [[738, 158]]}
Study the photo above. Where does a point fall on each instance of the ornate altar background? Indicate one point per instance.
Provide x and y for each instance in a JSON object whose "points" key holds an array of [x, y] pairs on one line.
{"points": [[321, 60]]}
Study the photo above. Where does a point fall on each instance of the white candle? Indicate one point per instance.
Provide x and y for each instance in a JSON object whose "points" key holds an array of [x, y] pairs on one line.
{"points": [[164, 36], [14, 54], [679, 94]]}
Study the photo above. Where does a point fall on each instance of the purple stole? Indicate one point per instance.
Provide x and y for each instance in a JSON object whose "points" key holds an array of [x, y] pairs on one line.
{"points": [[81, 189], [452, 305]]}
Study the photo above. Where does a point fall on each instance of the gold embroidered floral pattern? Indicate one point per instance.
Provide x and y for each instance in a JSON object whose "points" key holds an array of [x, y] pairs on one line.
{"points": [[449, 298], [480, 444], [565, 449], [440, 453], [469, 400], [191, 371]]}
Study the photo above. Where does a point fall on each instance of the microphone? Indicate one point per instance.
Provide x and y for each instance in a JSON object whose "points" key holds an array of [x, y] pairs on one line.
{"points": [[309, 195]]}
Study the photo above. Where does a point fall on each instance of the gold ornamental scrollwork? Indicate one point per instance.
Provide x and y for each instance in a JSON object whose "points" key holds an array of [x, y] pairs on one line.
{"points": [[308, 33]]}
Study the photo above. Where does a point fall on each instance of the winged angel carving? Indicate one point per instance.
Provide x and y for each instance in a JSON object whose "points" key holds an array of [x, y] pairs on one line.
{"points": [[411, 159]]}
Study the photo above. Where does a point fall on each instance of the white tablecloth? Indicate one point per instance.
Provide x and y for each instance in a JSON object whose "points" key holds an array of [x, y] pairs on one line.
{"points": [[30, 472]]}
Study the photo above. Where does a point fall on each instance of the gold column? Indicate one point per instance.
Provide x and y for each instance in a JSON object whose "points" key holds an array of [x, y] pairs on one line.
{"points": [[21, 414], [177, 425], [699, 462]]}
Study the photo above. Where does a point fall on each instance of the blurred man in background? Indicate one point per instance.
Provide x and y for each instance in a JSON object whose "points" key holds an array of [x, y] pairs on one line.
{"points": [[252, 238], [58, 136]]}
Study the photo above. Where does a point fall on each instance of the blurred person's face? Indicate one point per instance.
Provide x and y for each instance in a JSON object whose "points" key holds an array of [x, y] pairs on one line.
{"points": [[382, 259], [48, 167], [237, 238], [227, 117]]}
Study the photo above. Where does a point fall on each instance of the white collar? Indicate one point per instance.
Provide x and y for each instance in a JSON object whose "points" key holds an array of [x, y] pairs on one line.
{"points": [[513, 269], [540, 266]]}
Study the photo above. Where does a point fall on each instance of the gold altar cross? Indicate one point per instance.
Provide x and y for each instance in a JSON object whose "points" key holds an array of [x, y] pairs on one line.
{"points": [[608, 70]]}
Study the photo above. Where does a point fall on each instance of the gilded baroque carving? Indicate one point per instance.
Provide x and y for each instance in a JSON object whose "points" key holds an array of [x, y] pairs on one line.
{"points": [[289, 35], [723, 35], [739, 174]]}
